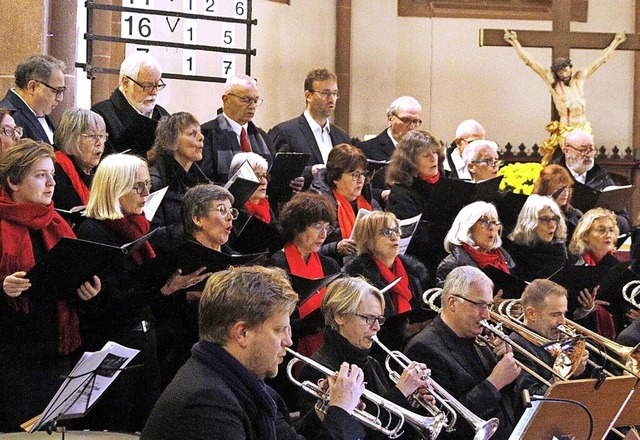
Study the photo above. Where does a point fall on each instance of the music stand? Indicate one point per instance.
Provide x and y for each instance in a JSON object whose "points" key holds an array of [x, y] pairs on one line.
{"points": [[549, 420], [630, 415]]}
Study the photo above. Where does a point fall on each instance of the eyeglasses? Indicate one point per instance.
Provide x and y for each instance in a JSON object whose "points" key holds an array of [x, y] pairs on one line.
{"points": [[248, 100], [356, 175], [58, 91], [602, 230], [224, 211], [139, 187], [547, 220], [10, 131], [96, 137], [388, 232], [409, 121], [326, 94], [321, 227], [491, 163], [478, 304], [584, 150], [486, 223], [371, 319], [148, 87], [266, 176]]}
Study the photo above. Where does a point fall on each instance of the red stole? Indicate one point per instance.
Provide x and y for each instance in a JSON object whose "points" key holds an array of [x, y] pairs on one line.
{"points": [[346, 216], [493, 258], [430, 179], [312, 269], [76, 181], [131, 228], [259, 210], [591, 259], [17, 255], [401, 292]]}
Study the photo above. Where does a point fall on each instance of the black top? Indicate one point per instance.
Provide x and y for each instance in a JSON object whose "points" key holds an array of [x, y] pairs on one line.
{"points": [[65, 196]]}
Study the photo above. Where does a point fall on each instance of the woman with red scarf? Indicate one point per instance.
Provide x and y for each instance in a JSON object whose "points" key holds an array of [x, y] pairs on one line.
{"points": [[380, 262], [345, 183], [474, 240], [79, 140], [123, 313], [37, 333]]}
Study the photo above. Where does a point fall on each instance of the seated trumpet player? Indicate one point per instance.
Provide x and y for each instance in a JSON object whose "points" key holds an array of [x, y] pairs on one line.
{"points": [[220, 392], [479, 377], [353, 312]]}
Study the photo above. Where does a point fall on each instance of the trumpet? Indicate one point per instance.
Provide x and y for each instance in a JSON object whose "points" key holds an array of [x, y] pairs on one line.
{"points": [[484, 429], [428, 427], [631, 297]]}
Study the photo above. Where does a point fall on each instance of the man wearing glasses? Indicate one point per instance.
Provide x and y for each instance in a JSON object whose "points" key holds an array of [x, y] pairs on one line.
{"points": [[467, 132], [481, 159], [402, 115], [39, 87], [312, 132], [579, 158], [131, 113]]}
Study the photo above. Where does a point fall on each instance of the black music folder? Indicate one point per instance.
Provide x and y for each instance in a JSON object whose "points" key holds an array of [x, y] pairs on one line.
{"points": [[307, 287], [511, 286], [286, 167], [138, 135], [613, 198], [251, 235], [509, 205], [469, 192], [412, 316], [242, 190]]}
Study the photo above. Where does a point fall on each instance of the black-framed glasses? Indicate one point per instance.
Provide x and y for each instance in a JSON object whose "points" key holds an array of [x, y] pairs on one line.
{"points": [[248, 100], [409, 121], [585, 150], [491, 163], [140, 187], [356, 175], [372, 319], [58, 91], [488, 223], [388, 232], [326, 94], [224, 211], [148, 87], [546, 220], [266, 176], [321, 227], [478, 304], [11, 131], [96, 137]]}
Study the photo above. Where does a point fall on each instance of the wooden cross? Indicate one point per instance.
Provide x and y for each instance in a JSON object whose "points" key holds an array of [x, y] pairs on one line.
{"points": [[561, 40]]}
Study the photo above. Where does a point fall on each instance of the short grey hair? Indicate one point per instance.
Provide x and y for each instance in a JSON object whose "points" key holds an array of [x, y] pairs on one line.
{"points": [[74, 122], [38, 68], [255, 161], [343, 297], [239, 80], [196, 202], [462, 280], [464, 221], [132, 64], [475, 148], [469, 126], [403, 101], [524, 233]]}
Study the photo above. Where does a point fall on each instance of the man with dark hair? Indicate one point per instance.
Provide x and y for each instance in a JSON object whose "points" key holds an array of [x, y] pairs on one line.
{"points": [[39, 88], [567, 91], [220, 392], [312, 132]]}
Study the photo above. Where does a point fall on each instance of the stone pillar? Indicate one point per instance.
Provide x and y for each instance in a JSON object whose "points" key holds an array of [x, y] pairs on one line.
{"points": [[61, 41], [343, 62]]}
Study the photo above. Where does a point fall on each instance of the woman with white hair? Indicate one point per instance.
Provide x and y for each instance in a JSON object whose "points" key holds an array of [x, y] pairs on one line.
{"points": [[538, 240], [474, 240]]}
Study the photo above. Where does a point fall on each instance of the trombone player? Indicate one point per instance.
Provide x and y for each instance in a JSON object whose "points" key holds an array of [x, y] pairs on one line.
{"points": [[479, 377]]}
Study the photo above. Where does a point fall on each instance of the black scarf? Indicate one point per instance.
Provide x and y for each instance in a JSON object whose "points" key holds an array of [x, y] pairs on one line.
{"points": [[251, 392]]}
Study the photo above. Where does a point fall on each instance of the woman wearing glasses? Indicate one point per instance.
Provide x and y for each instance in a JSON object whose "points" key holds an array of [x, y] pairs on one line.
{"points": [[555, 181], [474, 240], [178, 146], [481, 158], [10, 133], [379, 261], [345, 183], [79, 140], [123, 314], [353, 313]]}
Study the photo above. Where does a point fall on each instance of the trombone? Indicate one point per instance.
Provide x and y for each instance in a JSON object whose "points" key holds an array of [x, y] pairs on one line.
{"points": [[428, 427], [631, 297], [484, 429]]}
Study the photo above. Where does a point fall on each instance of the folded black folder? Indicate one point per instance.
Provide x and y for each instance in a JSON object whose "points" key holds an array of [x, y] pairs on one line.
{"points": [[73, 216], [138, 135], [242, 190], [251, 235], [511, 286], [286, 167], [308, 287], [586, 198], [413, 316], [509, 205]]}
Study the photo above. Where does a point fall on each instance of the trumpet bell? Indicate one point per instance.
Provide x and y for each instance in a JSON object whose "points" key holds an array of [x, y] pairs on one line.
{"points": [[486, 430]]}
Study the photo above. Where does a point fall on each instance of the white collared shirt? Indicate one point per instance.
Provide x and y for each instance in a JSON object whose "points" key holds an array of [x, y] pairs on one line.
{"points": [[458, 162], [395, 143], [237, 128], [322, 135], [582, 178]]}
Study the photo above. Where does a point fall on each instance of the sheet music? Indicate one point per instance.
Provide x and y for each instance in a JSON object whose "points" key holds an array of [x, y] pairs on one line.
{"points": [[408, 227], [153, 202], [523, 423]]}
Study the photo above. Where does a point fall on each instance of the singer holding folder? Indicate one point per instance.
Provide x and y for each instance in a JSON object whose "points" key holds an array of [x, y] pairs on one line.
{"points": [[37, 332]]}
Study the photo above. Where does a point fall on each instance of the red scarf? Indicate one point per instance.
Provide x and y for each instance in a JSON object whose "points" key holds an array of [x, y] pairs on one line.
{"points": [[401, 292], [311, 270], [17, 255], [430, 179], [483, 259], [131, 228], [70, 170], [591, 259], [346, 216], [259, 210]]}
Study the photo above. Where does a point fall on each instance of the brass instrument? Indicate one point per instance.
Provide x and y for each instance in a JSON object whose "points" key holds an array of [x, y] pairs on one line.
{"points": [[428, 427], [631, 297], [484, 429]]}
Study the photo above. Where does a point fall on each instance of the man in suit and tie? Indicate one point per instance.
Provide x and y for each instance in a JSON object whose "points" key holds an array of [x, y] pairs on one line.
{"points": [[312, 132], [402, 115], [39, 88]]}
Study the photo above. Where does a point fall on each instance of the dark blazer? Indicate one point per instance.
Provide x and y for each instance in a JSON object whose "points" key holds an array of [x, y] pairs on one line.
{"points": [[296, 135], [127, 128], [199, 405], [458, 368], [25, 118], [221, 144]]}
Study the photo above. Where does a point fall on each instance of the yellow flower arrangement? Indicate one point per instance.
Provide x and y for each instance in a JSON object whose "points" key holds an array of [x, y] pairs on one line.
{"points": [[520, 177]]}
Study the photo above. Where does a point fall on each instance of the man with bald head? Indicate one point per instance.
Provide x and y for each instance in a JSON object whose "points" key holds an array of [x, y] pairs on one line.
{"points": [[467, 132], [481, 159]]}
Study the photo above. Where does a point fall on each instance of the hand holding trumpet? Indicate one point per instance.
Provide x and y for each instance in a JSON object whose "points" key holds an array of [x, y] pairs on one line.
{"points": [[415, 380]]}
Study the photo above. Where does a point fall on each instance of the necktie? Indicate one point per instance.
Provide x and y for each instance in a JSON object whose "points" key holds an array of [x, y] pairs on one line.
{"points": [[244, 141]]}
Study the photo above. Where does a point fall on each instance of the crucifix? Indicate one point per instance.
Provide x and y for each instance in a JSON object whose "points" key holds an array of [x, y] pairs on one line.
{"points": [[561, 40]]}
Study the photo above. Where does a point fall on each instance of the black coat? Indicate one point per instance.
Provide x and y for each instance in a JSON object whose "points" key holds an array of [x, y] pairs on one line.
{"points": [[65, 195], [538, 261], [25, 118]]}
